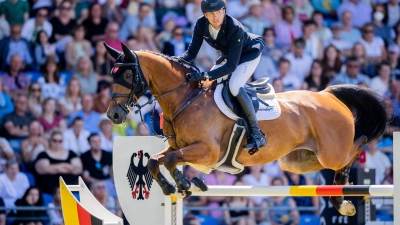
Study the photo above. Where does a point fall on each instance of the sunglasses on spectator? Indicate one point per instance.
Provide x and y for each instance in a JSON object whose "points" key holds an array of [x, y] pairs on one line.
{"points": [[36, 90], [42, 15], [178, 34], [368, 31], [56, 140]]}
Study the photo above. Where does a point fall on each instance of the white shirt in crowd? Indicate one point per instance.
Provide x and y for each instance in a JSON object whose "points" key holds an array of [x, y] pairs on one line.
{"points": [[373, 49], [78, 145], [11, 191], [378, 161], [300, 66], [252, 181]]}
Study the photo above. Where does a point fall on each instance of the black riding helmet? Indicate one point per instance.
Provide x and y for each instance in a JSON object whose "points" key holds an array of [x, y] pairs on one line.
{"points": [[212, 5]]}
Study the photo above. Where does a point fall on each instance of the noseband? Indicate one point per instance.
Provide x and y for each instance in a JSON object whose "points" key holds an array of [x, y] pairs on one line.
{"points": [[137, 82]]}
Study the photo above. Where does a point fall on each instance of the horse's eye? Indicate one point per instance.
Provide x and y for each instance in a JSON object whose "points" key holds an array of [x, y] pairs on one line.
{"points": [[128, 75]]}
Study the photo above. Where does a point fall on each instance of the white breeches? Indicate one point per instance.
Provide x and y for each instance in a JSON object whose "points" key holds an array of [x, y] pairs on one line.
{"points": [[241, 75]]}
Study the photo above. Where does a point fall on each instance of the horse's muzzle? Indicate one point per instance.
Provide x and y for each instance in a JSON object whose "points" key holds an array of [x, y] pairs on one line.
{"points": [[116, 115]]}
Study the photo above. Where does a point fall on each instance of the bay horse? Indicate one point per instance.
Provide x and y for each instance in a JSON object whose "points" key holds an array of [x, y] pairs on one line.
{"points": [[315, 130]]}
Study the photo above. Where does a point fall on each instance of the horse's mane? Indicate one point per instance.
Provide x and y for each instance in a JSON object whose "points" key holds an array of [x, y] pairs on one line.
{"points": [[173, 59]]}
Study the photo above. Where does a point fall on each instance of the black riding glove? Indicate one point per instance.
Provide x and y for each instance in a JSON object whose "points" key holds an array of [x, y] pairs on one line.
{"points": [[195, 76]]}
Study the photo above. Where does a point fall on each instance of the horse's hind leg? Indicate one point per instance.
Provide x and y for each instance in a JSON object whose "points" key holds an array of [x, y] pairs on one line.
{"points": [[154, 167], [345, 207]]}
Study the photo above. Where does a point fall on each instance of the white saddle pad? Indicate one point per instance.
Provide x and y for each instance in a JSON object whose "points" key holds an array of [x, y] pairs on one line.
{"points": [[270, 112]]}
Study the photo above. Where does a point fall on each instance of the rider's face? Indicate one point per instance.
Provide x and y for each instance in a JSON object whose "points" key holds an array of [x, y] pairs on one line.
{"points": [[215, 18]]}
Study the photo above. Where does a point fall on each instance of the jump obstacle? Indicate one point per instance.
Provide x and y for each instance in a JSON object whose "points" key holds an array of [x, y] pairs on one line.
{"points": [[169, 212]]}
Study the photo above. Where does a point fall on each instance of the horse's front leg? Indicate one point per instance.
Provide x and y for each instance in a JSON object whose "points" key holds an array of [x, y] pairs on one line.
{"points": [[197, 153], [154, 167]]}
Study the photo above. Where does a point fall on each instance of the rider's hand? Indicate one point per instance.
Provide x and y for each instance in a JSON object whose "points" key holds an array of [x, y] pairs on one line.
{"points": [[195, 76]]}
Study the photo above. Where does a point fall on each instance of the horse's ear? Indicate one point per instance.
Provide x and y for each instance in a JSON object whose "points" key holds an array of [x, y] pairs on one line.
{"points": [[128, 53], [113, 52]]}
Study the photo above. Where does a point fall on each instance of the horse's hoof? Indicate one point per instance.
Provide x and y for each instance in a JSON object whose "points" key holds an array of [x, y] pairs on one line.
{"points": [[186, 194], [183, 184], [347, 208], [200, 184]]}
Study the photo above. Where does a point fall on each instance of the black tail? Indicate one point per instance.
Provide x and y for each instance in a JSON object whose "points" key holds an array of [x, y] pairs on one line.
{"points": [[367, 106]]}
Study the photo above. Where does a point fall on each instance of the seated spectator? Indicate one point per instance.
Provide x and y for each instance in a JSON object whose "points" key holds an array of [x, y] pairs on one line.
{"points": [[145, 39], [15, 45], [3, 215], [313, 46], [32, 198], [62, 24], [380, 83], [106, 134], [283, 216], [374, 45], [32, 26], [288, 28], [238, 9], [352, 74], [34, 144], [322, 32], [376, 159], [266, 67], [113, 12], [6, 153], [392, 17], [342, 45], [35, 99], [90, 117], [55, 215], [86, 75], [254, 22], [95, 24], [50, 81], [271, 11], [78, 47], [303, 9], [193, 12], [49, 118], [16, 123], [71, 102], [75, 138], [393, 60], [293, 179], [99, 191], [317, 80], [102, 63], [166, 34], [272, 49], [348, 32], [367, 68], [256, 178], [356, 7], [217, 177], [13, 183], [289, 80], [177, 45], [111, 35], [300, 62], [55, 162], [6, 105], [43, 49], [96, 162], [381, 30], [103, 97], [132, 23], [238, 217], [14, 80], [15, 11], [278, 85], [331, 63]]}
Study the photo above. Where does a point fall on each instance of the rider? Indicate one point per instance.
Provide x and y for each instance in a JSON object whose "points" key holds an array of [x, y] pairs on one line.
{"points": [[241, 52]]}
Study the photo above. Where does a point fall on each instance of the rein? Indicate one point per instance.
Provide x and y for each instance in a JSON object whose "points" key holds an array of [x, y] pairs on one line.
{"points": [[140, 80]]}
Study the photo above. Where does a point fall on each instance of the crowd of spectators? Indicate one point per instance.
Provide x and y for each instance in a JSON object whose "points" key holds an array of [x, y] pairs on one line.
{"points": [[55, 88]]}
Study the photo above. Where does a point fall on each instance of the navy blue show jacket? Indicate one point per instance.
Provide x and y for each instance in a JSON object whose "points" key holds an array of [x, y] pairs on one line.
{"points": [[236, 45]]}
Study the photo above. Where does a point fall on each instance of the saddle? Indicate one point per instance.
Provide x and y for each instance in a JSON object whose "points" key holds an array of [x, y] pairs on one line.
{"points": [[259, 86]]}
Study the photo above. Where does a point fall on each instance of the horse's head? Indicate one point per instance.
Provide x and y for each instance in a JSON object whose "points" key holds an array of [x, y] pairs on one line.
{"points": [[129, 83]]}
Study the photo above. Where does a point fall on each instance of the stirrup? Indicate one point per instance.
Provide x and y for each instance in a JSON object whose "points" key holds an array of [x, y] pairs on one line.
{"points": [[254, 143]]}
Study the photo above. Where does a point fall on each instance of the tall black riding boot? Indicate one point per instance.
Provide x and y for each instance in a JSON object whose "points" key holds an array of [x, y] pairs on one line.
{"points": [[256, 139]]}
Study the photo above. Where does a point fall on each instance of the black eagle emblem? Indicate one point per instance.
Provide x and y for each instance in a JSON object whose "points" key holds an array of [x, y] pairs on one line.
{"points": [[142, 175]]}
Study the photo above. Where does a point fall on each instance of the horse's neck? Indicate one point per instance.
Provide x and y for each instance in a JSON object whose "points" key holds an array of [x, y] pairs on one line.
{"points": [[162, 79]]}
